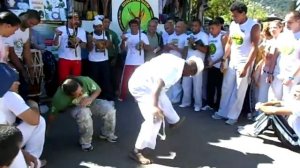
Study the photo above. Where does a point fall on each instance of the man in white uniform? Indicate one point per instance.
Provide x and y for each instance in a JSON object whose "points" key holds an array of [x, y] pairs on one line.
{"points": [[12, 106], [19, 47], [242, 47], [197, 44], [148, 85], [176, 46]]}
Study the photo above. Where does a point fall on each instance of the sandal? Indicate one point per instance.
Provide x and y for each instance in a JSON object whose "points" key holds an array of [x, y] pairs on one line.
{"points": [[138, 157]]}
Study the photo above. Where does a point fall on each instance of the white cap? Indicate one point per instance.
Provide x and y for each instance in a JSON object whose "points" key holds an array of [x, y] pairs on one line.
{"points": [[97, 20], [198, 62]]}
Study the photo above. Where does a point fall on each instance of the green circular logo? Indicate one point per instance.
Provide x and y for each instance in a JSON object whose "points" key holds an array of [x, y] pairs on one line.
{"points": [[212, 49], [130, 9], [237, 39]]}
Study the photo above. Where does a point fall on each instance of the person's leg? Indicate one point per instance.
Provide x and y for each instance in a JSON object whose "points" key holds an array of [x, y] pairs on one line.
{"points": [[262, 123], [219, 81], [76, 68], [105, 81], [237, 99], [83, 117], [187, 92], [166, 106], [33, 137], [263, 88], [211, 87], [276, 89], [106, 110], [228, 86], [64, 69], [127, 72], [147, 135], [197, 91], [284, 131], [94, 71], [176, 92]]}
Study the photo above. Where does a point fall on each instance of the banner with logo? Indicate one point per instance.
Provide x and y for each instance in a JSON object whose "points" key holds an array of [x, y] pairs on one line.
{"points": [[125, 10]]}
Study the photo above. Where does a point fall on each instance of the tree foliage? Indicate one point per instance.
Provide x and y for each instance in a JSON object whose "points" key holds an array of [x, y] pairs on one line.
{"points": [[221, 8]]}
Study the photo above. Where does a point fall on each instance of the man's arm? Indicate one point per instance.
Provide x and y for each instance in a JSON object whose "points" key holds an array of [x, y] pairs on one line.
{"points": [[157, 112], [227, 49], [27, 54], [15, 60], [31, 115], [273, 110], [255, 36]]}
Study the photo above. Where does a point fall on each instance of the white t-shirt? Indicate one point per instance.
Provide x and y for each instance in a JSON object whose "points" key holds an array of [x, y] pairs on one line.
{"points": [[179, 41], [63, 50], [216, 50], [133, 56], [288, 61], [95, 55], [199, 36], [18, 40], [241, 41], [166, 67], [165, 37], [11, 106]]}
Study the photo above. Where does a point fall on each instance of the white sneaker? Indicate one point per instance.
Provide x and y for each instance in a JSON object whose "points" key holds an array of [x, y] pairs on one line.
{"points": [[247, 132], [231, 121], [207, 107], [197, 109], [183, 105], [216, 117]]}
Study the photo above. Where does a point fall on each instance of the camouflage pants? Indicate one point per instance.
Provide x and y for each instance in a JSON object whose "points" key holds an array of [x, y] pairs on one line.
{"points": [[83, 116]]}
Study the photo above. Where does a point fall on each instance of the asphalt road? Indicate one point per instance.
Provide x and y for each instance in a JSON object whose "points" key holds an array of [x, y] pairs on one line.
{"points": [[199, 142]]}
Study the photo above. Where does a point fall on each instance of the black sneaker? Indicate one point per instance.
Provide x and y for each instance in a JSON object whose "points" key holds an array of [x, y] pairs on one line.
{"points": [[90, 148], [176, 125]]}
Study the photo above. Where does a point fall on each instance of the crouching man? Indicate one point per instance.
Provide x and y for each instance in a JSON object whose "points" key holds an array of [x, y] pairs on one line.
{"points": [[148, 85], [77, 95]]}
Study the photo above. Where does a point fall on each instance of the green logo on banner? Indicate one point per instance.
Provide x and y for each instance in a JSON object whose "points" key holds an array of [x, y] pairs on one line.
{"points": [[130, 9]]}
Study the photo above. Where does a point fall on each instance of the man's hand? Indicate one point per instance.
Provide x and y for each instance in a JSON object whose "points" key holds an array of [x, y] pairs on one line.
{"points": [[58, 33], [288, 82], [86, 101], [30, 159], [268, 110], [124, 37], [270, 78], [243, 71], [157, 114]]}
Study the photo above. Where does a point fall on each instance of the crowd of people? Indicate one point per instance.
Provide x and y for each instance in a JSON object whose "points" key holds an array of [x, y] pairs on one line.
{"points": [[184, 66]]}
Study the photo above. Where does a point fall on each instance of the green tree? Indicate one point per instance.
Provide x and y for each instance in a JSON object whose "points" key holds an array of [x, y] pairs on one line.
{"points": [[221, 8]]}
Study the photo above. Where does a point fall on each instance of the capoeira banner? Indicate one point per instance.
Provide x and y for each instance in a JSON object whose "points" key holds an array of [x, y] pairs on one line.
{"points": [[130, 9]]}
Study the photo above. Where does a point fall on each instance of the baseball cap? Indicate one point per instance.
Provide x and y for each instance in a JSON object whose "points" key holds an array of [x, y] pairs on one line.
{"points": [[8, 77]]}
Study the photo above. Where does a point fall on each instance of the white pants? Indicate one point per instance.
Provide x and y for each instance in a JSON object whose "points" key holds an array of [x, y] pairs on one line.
{"points": [[149, 129], [189, 85], [175, 92], [263, 88], [33, 137], [276, 89], [234, 90]]}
